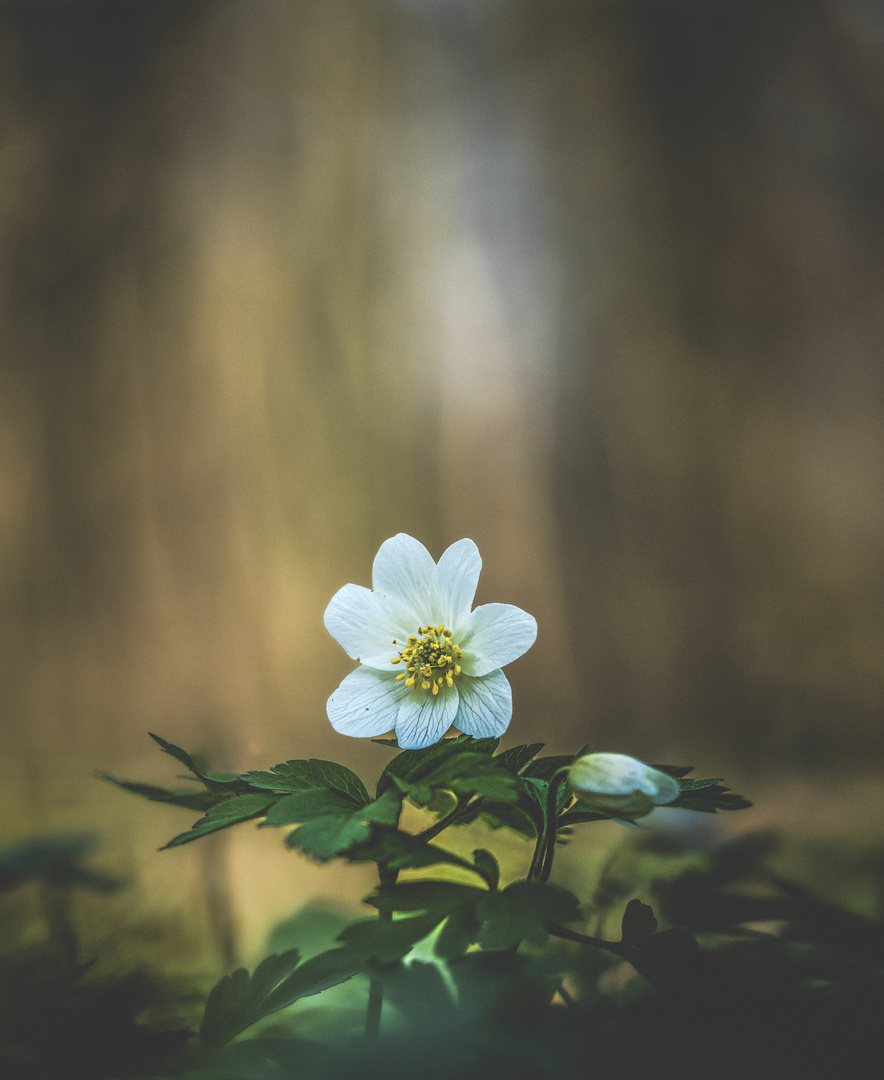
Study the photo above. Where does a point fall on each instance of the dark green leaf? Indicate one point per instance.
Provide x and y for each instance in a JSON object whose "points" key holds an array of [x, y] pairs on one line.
{"points": [[398, 850], [411, 763], [424, 896], [709, 798], [466, 774], [215, 782], [311, 803], [546, 767], [189, 800], [638, 923], [496, 815], [517, 757], [664, 959], [309, 773], [520, 913], [487, 866], [333, 823], [694, 785], [419, 766], [212, 782], [459, 931], [678, 771], [240, 1000], [231, 811]]}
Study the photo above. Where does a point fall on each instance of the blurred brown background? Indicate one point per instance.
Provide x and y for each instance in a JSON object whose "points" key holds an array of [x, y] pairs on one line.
{"points": [[597, 284]]}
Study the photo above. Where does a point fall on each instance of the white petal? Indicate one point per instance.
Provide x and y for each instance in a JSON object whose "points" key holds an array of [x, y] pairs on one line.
{"points": [[404, 569], [367, 625], [424, 719], [457, 576], [662, 787], [497, 635], [366, 703], [486, 705]]}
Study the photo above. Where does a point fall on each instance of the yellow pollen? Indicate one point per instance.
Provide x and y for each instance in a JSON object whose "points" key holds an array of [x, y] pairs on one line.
{"points": [[432, 660]]}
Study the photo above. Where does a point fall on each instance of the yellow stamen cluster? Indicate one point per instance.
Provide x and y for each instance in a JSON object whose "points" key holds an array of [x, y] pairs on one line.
{"points": [[431, 660]]}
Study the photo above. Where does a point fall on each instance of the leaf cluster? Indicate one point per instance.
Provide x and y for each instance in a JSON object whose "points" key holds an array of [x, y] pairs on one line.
{"points": [[707, 795]]}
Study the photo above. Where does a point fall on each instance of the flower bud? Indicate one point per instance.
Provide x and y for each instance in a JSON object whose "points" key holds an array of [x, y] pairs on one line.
{"points": [[621, 784]]}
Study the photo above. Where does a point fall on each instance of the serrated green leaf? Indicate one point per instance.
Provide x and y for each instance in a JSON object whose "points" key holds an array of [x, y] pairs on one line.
{"points": [[189, 800], [333, 823], [310, 803], [411, 764], [708, 798], [498, 815], [517, 757], [309, 773], [466, 774], [240, 1000], [487, 866], [695, 785], [384, 941], [638, 923], [521, 913], [678, 771], [231, 811]]}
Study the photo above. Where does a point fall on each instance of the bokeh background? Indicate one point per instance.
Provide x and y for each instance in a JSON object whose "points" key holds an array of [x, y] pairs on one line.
{"points": [[597, 283]]}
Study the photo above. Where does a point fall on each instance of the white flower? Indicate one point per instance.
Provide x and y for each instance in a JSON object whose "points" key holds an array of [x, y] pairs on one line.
{"points": [[621, 784], [427, 660]]}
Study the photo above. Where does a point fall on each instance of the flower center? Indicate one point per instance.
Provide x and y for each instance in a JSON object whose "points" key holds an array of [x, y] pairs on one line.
{"points": [[431, 660]]}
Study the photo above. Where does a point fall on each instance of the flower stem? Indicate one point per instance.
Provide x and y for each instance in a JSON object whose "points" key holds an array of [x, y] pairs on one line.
{"points": [[552, 813], [375, 986], [615, 947], [443, 823]]}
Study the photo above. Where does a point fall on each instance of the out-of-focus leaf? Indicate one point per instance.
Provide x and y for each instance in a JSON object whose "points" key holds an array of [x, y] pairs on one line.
{"points": [[240, 1000], [309, 773], [54, 859], [409, 896], [384, 941], [420, 993], [189, 800], [638, 922], [231, 811]]}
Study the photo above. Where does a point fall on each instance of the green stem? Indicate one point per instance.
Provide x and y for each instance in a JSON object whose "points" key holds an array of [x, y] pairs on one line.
{"points": [[536, 858], [615, 947], [449, 818], [375, 986], [552, 800]]}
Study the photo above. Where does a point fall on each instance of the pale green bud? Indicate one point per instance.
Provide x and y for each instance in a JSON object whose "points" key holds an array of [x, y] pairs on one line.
{"points": [[621, 784]]}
